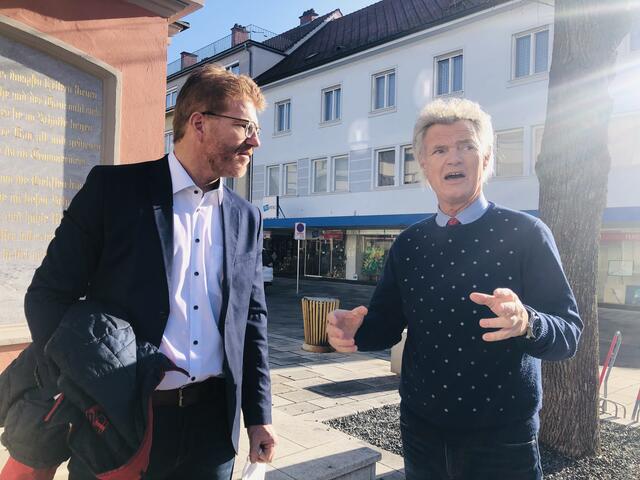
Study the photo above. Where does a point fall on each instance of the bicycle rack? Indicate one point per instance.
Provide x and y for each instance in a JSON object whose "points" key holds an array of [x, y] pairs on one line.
{"points": [[609, 361], [635, 416]]}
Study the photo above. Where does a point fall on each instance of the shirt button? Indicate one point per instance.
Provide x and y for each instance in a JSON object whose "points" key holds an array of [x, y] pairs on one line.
{"points": [[196, 273], [197, 240], [193, 379], [195, 342], [195, 307], [195, 192]]}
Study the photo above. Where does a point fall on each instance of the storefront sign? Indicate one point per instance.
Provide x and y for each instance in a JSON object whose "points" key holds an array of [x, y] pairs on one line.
{"points": [[621, 268], [332, 234], [617, 236], [270, 207]]}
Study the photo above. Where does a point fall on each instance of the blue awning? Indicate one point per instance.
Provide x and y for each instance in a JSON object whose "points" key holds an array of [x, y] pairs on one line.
{"points": [[615, 214]]}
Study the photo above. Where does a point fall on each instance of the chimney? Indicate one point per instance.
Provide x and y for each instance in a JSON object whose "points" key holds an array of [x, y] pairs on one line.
{"points": [[187, 59], [308, 16], [239, 34]]}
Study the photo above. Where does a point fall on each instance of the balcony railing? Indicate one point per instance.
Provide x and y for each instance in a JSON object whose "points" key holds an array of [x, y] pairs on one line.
{"points": [[256, 34]]}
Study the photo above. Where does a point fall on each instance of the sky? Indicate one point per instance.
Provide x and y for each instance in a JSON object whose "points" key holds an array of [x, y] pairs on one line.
{"points": [[216, 18]]}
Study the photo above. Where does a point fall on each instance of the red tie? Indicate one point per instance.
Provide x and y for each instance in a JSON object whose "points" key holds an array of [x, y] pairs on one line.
{"points": [[453, 221]]}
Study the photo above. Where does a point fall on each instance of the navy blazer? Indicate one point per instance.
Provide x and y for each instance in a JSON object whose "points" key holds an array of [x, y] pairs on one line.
{"points": [[115, 246]]}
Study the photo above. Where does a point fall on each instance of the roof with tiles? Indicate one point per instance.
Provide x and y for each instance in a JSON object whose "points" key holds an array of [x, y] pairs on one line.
{"points": [[376, 24]]}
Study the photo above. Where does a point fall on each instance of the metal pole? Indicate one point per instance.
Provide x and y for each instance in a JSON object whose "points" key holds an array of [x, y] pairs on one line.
{"points": [[298, 269]]}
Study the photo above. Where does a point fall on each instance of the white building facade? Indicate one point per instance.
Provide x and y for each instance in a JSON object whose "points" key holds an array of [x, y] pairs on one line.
{"points": [[336, 141]]}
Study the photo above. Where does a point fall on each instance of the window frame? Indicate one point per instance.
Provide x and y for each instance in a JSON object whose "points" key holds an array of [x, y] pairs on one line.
{"points": [[267, 188], [385, 74], [285, 168], [523, 172], [436, 73], [287, 119], [534, 154], [334, 104], [376, 153], [634, 37], [230, 67], [333, 172], [313, 175], [532, 52], [230, 182], [171, 95], [401, 181], [168, 134]]}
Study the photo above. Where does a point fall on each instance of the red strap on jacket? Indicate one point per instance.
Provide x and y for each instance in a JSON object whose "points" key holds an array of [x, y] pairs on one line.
{"points": [[14, 470], [139, 463]]}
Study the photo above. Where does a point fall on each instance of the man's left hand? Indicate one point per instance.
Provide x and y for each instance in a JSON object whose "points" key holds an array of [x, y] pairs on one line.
{"points": [[512, 318], [262, 443]]}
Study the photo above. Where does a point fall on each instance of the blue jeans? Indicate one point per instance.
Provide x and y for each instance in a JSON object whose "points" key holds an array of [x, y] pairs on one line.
{"points": [[430, 454], [188, 443]]}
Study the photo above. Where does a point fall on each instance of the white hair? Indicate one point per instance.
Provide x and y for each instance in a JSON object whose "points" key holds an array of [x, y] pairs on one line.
{"points": [[452, 110]]}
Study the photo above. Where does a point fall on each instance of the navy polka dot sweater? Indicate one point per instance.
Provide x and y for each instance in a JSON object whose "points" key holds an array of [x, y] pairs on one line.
{"points": [[450, 376]]}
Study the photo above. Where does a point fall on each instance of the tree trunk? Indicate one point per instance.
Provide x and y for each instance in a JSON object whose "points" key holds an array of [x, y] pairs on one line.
{"points": [[572, 168]]}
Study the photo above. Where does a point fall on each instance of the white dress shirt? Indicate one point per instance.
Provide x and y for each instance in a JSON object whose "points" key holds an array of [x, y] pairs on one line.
{"points": [[191, 337]]}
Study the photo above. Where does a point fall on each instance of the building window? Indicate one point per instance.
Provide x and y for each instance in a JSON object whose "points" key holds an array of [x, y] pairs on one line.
{"points": [[170, 99], [273, 180], [384, 90], [283, 116], [230, 182], [410, 167], [386, 168], [340, 173], [319, 175], [233, 68], [509, 153], [449, 73], [291, 179], [531, 52], [168, 141], [331, 104]]}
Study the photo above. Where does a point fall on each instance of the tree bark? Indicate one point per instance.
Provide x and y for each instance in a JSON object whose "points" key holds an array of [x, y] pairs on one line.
{"points": [[573, 169]]}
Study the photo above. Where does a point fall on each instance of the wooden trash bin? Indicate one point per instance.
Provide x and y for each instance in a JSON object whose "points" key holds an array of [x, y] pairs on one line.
{"points": [[314, 315]]}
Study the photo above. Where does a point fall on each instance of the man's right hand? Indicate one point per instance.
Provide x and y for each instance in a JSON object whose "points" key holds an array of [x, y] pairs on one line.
{"points": [[342, 326]]}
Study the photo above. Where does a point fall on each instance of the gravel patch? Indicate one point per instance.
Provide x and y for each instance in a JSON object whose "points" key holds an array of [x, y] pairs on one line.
{"points": [[620, 458]]}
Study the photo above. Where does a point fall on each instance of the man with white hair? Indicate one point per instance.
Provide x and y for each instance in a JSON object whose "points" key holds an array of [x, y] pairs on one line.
{"points": [[481, 291]]}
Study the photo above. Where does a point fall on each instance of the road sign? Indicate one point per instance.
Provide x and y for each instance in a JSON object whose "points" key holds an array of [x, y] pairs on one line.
{"points": [[299, 231]]}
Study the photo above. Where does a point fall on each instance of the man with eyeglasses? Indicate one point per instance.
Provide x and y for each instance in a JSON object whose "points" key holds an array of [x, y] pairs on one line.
{"points": [[166, 242]]}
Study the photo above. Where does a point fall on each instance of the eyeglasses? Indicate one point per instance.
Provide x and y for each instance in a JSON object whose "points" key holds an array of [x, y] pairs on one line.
{"points": [[250, 128]]}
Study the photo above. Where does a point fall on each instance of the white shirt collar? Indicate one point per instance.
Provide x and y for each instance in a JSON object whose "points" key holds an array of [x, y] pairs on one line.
{"points": [[180, 179], [470, 214]]}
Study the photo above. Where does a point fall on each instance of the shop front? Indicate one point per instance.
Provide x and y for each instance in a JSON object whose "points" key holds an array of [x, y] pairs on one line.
{"points": [[359, 254], [619, 267]]}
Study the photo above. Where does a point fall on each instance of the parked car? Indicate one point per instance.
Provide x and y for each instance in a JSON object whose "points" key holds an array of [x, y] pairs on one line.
{"points": [[267, 267]]}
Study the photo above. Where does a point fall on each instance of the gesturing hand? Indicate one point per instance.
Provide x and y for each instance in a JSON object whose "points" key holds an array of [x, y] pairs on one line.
{"points": [[512, 318], [342, 326]]}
